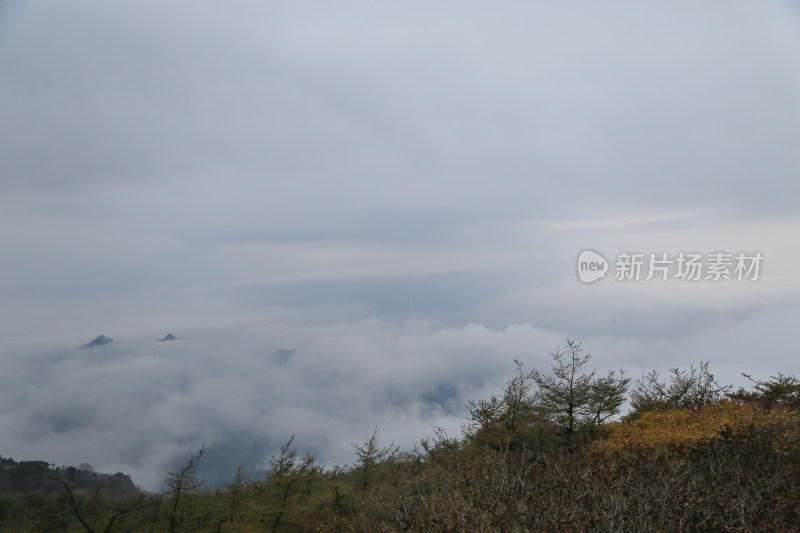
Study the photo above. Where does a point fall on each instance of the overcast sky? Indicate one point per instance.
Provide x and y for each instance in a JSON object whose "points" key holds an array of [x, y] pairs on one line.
{"points": [[359, 213]]}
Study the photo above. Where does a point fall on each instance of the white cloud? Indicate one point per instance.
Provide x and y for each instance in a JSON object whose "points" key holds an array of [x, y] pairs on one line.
{"points": [[397, 193]]}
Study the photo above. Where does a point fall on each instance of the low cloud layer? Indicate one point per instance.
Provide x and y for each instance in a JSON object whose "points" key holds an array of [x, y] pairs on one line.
{"points": [[140, 406]]}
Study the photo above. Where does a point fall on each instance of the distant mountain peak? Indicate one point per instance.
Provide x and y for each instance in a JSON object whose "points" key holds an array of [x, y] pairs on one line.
{"points": [[98, 341], [168, 337]]}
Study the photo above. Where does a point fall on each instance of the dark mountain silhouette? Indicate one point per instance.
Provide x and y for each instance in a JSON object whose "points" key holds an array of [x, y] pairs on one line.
{"points": [[98, 341], [168, 337], [39, 476]]}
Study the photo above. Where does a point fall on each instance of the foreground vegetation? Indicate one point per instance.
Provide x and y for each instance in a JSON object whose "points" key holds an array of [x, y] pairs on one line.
{"points": [[550, 453]]}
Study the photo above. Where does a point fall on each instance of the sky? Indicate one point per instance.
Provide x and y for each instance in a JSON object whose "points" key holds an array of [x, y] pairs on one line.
{"points": [[358, 214]]}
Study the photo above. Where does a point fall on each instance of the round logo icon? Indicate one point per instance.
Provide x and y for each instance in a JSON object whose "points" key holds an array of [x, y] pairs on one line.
{"points": [[591, 266]]}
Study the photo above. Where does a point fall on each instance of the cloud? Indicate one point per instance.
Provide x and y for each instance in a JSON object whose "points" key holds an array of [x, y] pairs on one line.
{"points": [[141, 406], [394, 195]]}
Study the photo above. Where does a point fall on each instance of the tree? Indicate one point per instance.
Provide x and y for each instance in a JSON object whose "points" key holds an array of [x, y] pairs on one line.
{"points": [[440, 446], [233, 499], [482, 415], [535, 407], [283, 477], [309, 470], [510, 411], [606, 397], [514, 420], [99, 510], [370, 454], [518, 398], [780, 390], [685, 390], [182, 484], [575, 397]]}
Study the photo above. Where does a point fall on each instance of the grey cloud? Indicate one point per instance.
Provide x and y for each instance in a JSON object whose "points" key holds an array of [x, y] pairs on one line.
{"points": [[133, 95], [391, 296], [142, 406], [349, 213]]}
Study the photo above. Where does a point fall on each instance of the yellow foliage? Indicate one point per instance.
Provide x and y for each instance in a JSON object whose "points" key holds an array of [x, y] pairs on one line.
{"points": [[679, 429]]}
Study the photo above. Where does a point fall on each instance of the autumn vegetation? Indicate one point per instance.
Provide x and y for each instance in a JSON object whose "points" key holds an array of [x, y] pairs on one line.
{"points": [[569, 449]]}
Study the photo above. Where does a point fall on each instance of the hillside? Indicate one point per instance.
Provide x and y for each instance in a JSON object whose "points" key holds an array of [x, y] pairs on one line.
{"points": [[551, 452], [39, 476]]}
